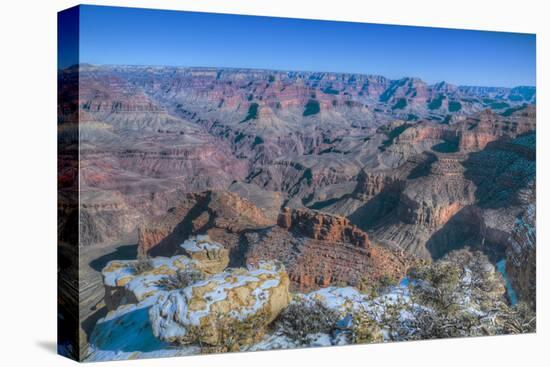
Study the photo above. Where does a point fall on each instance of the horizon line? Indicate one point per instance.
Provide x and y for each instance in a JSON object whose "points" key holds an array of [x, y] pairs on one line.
{"points": [[291, 70]]}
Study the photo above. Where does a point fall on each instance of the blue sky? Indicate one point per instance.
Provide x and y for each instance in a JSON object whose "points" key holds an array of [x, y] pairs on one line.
{"points": [[111, 35]]}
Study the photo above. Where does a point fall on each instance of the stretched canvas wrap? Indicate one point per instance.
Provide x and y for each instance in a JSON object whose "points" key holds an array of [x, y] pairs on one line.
{"points": [[233, 183]]}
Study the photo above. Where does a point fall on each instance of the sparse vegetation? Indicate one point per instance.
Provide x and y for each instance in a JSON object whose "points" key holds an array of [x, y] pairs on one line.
{"points": [[143, 265], [374, 288], [364, 328], [312, 107], [252, 112], [180, 280], [306, 317], [234, 333], [454, 106]]}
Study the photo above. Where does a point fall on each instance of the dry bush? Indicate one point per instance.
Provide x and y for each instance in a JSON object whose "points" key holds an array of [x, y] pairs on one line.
{"points": [[306, 317], [180, 280], [143, 265], [364, 329]]}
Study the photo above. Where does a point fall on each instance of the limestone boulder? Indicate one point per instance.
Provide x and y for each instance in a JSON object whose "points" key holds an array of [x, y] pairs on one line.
{"points": [[225, 311], [132, 281], [211, 255]]}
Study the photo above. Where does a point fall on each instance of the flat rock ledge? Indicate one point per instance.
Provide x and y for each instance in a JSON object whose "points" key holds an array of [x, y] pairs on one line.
{"points": [[132, 281]]}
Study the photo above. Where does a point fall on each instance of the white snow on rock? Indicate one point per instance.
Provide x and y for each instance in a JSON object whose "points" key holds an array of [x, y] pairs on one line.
{"points": [[200, 243], [212, 256], [192, 314], [122, 274]]}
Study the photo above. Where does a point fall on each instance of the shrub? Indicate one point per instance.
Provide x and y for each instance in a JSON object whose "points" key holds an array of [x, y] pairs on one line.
{"points": [[373, 288], [143, 265], [306, 317], [437, 286], [312, 107], [517, 319], [180, 280], [233, 334], [364, 328]]}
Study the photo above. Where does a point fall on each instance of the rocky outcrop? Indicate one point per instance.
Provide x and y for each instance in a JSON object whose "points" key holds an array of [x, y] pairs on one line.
{"points": [[132, 281], [323, 227], [432, 200], [212, 256], [221, 215], [370, 184], [225, 311], [319, 250], [487, 126]]}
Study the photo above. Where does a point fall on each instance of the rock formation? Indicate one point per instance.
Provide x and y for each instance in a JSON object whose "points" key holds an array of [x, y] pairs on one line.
{"points": [[132, 281], [323, 227], [227, 310], [221, 215], [320, 249], [212, 256]]}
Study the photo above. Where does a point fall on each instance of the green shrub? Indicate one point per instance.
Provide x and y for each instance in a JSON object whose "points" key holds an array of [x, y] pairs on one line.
{"points": [[400, 104], [312, 107]]}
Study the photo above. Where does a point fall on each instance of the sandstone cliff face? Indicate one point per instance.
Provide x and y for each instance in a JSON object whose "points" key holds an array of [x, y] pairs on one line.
{"points": [[323, 227], [465, 198], [320, 249], [432, 200]]}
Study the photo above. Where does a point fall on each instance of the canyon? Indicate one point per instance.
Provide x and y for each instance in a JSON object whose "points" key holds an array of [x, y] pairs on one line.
{"points": [[345, 179]]}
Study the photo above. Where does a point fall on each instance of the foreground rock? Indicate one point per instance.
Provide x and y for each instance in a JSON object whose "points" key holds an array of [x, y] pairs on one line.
{"points": [[126, 333], [459, 295], [131, 281], [224, 311], [211, 255]]}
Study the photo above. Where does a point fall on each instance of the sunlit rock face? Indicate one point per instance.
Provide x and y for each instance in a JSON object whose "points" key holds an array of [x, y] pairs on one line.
{"points": [[236, 304], [212, 256]]}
